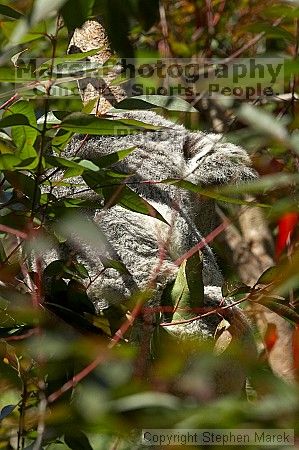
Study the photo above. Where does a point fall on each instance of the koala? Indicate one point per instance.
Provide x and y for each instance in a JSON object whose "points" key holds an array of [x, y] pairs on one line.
{"points": [[136, 239], [146, 245]]}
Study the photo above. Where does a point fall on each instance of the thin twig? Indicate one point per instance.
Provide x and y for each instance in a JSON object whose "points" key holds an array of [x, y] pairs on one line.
{"points": [[9, 101], [13, 231]]}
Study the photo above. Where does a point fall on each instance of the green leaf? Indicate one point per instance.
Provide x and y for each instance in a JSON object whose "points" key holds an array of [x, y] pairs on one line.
{"points": [[24, 184], [263, 121], [14, 120], [63, 163], [10, 12], [76, 12], [72, 172], [266, 183], [89, 165], [61, 139], [114, 264], [144, 400], [53, 117], [115, 192], [112, 158], [24, 137], [282, 310], [27, 31], [117, 23], [187, 294], [233, 289], [130, 200], [77, 441], [15, 330], [271, 275], [81, 269], [271, 31], [58, 269], [15, 221], [154, 101], [87, 124], [79, 228], [216, 193], [284, 10], [77, 298], [74, 168], [75, 319], [16, 75], [44, 9], [2, 253], [69, 58], [9, 161]]}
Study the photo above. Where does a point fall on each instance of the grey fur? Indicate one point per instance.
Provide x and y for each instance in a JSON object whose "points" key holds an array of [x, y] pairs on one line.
{"points": [[147, 246], [136, 239]]}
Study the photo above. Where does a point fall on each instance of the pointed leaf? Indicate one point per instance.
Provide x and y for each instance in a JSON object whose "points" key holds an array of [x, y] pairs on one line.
{"points": [[14, 120], [6, 411], [9, 75], [282, 310], [24, 137], [116, 192], [156, 101], [88, 124], [112, 158], [9, 12], [187, 294], [24, 184]]}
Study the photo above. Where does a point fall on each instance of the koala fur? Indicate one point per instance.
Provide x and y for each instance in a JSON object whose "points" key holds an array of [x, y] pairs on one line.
{"points": [[147, 246], [136, 239]]}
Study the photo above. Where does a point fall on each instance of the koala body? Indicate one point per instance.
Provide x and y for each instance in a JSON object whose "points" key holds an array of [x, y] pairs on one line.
{"points": [[147, 246]]}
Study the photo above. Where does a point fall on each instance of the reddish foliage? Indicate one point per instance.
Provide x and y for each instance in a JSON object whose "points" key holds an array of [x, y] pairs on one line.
{"points": [[270, 337], [296, 348], [286, 227]]}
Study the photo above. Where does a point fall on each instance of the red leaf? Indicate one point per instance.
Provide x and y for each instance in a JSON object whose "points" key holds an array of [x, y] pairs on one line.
{"points": [[286, 227], [270, 337], [296, 348]]}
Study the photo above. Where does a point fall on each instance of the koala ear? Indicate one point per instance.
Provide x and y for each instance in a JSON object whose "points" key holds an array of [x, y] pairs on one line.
{"points": [[211, 160]]}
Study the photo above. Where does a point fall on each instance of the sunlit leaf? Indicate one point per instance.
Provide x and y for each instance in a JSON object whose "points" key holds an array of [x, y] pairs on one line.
{"points": [[187, 294], [153, 101], [9, 162], [87, 124], [146, 400], [116, 192], [43, 9], [24, 137], [217, 192], [112, 158], [263, 121], [69, 58]]}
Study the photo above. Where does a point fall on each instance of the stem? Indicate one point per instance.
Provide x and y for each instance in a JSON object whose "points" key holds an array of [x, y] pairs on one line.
{"points": [[22, 408], [294, 78], [44, 129]]}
